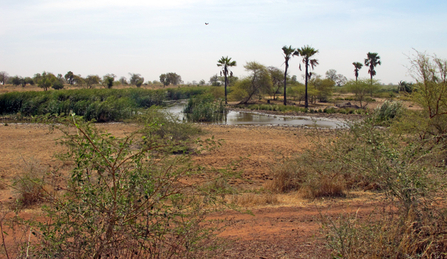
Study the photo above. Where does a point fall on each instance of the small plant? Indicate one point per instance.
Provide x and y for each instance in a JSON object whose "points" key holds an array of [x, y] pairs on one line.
{"points": [[31, 186]]}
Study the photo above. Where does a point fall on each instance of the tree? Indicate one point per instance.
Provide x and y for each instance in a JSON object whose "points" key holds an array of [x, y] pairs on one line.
{"points": [[405, 87], [288, 52], [164, 80], [357, 67], [430, 73], [108, 80], [226, 62], [92, 80], [202, 82], [277, 77], [69, 77], [338, 79], [214, 80], [45, 80], [27, 80], [174, 78], [136, 79], [4, 77], [16, 80], [123, 80], [170, 78], [323, 87], [372, 61], [78, 80], [306, 53], [258, 83], [361, 88]]}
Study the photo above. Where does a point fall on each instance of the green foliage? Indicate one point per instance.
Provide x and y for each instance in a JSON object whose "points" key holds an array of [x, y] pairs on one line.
{"points": [[93, 104], [388, 111], [92, 80], [361, 88], [69, 77], [136, 79], [170, 78], [45, 80], [125, 198], [108, 80], [258, 84], [169, 128], [57, 85], [323, 88], [430, 93], [204, 108]]}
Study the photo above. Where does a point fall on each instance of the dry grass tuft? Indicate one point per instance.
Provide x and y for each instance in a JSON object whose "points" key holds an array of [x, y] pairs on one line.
{"points": [[286, 177], [324, 187], [30, 186], [252, 199]]}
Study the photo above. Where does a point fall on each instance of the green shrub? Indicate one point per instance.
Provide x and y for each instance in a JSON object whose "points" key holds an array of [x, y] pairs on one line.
{"points": [[204, 108], [125, 198], [388, 111]]}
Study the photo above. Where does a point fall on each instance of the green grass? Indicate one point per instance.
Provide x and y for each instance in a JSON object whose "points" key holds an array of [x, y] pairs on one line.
{"points": [[101, 105]]}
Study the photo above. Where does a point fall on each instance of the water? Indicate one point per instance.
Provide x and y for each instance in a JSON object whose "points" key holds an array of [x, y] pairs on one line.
{"points": [[259, 118]]}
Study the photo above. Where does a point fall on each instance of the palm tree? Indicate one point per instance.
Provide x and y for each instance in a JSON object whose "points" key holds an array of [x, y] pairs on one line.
{"points": [[357, 66], [288, 52], [226, 62], [306, 53], [372, 61]]}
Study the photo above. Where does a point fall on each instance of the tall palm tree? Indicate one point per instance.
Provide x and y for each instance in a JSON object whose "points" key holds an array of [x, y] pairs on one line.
{"points": [[288, 52], [357, 66], [372, 61], [226, 62], [306, 53]]}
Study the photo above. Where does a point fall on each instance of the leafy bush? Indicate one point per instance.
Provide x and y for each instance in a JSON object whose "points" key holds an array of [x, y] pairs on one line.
{"points": [[388, 111], [204, 108]]}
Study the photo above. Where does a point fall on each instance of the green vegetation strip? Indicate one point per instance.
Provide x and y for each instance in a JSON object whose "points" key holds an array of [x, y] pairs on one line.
{"points": [[101, 105]]}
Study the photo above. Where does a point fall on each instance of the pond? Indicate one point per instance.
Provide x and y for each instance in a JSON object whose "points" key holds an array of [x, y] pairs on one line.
{"points": [[259, 118]]}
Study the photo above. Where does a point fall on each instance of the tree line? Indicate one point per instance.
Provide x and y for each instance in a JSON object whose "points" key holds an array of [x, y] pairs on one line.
{"points": [[270, 80], [262, 80], [48, 80]]}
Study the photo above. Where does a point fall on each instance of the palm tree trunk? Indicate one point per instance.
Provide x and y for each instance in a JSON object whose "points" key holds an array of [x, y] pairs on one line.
{"points": [[225, 72], [285, 81], [306, 102]]}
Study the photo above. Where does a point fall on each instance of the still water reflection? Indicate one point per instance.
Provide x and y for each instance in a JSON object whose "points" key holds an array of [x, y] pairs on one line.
{"points": [[257, 118]]}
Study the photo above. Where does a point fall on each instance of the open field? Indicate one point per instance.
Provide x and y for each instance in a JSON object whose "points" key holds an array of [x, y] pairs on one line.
{"points": [[285, 228]]}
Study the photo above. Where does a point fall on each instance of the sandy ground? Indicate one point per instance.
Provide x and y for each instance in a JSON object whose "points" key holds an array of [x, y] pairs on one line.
{"points": [[288, 229]]}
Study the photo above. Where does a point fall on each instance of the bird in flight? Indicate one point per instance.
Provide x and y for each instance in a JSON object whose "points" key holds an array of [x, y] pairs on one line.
{"points": [[207, 23]]}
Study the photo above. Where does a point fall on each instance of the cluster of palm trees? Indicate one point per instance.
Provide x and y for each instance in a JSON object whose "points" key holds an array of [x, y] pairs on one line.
{"points": [[306, 52], [371, 61]]}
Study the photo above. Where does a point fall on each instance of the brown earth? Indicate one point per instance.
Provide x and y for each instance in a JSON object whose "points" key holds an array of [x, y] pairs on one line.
{"points": [[287, 229]]}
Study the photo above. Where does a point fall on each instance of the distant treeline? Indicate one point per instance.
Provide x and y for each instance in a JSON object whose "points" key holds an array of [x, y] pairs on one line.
{"points": [[101, 105]]}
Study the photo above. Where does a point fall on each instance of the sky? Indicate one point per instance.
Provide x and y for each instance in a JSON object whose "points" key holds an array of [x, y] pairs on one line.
{"points": [[147, 37]]}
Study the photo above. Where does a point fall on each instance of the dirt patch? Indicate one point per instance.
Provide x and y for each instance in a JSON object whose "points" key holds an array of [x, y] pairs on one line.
{"points": [[288, 229]]}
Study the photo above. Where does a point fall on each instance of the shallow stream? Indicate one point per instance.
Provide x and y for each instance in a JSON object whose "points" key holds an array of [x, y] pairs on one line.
{"points": [[259, 118]]}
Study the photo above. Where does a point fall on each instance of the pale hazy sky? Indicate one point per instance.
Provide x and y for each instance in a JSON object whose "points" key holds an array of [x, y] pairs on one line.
{"points": [[154, 37]]}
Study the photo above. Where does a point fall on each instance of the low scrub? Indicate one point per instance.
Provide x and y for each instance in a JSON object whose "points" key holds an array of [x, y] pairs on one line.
{"points": [[125, 198]]}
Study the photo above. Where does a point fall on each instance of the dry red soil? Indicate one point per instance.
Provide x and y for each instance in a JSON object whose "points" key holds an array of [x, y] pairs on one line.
{"points": [[288, 229]]}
